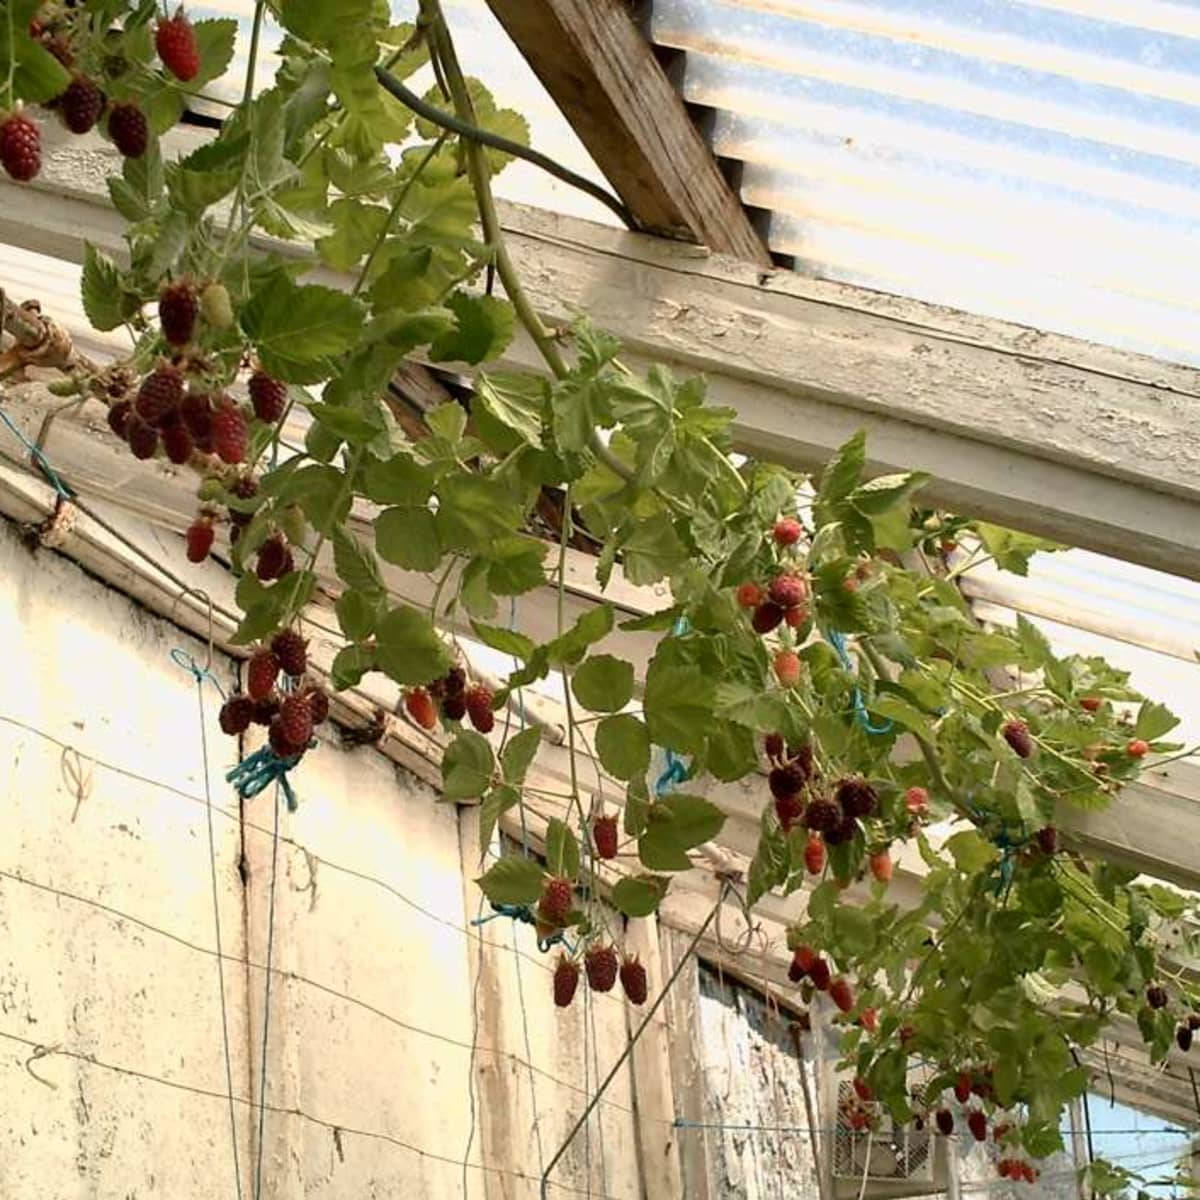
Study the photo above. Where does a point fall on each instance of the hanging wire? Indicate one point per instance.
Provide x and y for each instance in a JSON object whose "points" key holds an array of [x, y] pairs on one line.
{"points": [[262, 1080], [42, 461]]}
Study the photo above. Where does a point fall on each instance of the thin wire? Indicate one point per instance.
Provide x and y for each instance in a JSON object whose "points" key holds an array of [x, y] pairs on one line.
{"points": [[599, 1115], [212, 859], [35, 452], [262, 1081]]}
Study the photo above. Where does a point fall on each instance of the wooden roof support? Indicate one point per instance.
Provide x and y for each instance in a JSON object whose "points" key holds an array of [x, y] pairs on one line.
{"points": [[603, 74]]}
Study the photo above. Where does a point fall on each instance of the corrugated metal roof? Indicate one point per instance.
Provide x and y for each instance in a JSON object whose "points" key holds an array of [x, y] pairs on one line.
{"points": [[1038, 161]]}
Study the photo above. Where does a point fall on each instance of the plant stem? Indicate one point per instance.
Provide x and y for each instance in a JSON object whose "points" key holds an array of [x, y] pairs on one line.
{"points": [[252, 64]]}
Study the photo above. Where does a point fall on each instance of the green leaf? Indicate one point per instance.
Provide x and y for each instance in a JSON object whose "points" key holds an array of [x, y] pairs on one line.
{"points": [[639, 895], [1153, 721], [652, 551], [603, 683], [1011, 550], [495, 804], [103, 299], [897, 709], [356, 566], [408, 537], [357, 614], [349, 666], [1034, 645], [770, 865], [516, 565], [513, 879], [637, 808], [485, 326], [448, 420], [843, 471], [298, 329], [562, 850], [473, 511], [678, 704], [876, 496], [678, 823], [971, 851], [623, 746], [519, 753], [399, 480], [514, 402], [591, 627], [507, 641], [409, 650], [752, 707], [214, 43], [207, 174], [37, 75], [467, 767]]}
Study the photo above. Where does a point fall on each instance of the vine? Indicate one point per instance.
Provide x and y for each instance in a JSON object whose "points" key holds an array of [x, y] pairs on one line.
{"points": [[808, 643]]}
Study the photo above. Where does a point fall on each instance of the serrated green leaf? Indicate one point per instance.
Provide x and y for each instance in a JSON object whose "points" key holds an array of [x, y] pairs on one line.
{"points": [[895, 708], [495, 804], [519, 753], [408, 537], [752, 707], [516, 565], [971, 851], [350, 664], [357, 614], [877, 496], [355, 565], [678, 823], [473, 511], [484, 326], [515, 402], [207, 174], [623, 746], [448, 420], [678, 703], [103, 301], [843, 471], [297, 329], [512, 880], [1154, 721], [603, 683], [467, 767], [639, 895], [652, 551], [593, 626], [562, 850], [399, 480], [37, 76], [214, 43], [408, 648]]}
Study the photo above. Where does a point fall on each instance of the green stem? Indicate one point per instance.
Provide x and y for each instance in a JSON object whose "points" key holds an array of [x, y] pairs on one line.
{"points": [[10, 100], [437, 592], [252, 64]]}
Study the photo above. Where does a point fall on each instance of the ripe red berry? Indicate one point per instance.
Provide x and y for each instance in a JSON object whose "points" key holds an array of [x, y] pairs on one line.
{"points": [[261, 674], [633, 981], [803, 960], [962, 1087], [292, 651], [750, 595], [566, 980], [160, 395], [1047, 840], [455, 681], [863, 1090], [272, 558], [773, 745], [268, 396], [175, 41], [842, 994], [1183, 1038], [177, 443], [479, 707], [945, 1121], [819, 973], [1016, 734], [196, 410], [842, 833], [1156, 996], [814, 854], [419, 705], [789, 810], [1004, 1168], [787, 590], [604, 836], [295, 719], [142, 438], [822, 816], [1138, 748], [786, 781], [787, 668], [600, 962], [20, 147], [118, 418], [318, 705], [882, 866], [766, 617], [856, 796], [977, 1123], [266, 707], [788, 531], [1090, 703], [558, 898], [454, 707], [280, 739], [869, 1020], [916, 800], [128, 129], [236, 714], [81, 104], [199, 539], [794, 618], [177, 312], [229, 433]]}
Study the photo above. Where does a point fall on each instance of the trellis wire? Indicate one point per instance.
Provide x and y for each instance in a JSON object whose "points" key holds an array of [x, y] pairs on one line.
{"points": [[262, 1079]]}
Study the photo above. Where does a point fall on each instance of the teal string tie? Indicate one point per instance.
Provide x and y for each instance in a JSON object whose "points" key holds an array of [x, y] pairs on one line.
{"points": [[183, 659], [838, 642], [263, 768], [523, 914], [42, 461], [676, 770]]}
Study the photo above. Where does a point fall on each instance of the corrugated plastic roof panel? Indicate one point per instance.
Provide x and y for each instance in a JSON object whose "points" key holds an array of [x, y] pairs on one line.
{"points": [[1037, 162]]}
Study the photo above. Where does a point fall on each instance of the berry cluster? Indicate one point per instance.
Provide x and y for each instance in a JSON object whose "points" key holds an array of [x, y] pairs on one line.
{"points": [[1017, 1169], [454, 698], [783, 600], [289, 715]]}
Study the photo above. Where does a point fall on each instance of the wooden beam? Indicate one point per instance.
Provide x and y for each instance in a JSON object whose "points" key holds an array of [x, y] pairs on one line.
{"points": [[601, 71]]}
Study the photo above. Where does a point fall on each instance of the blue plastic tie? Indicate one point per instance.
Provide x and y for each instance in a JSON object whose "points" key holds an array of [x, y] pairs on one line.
{"points": [[263, 768], [524, 914], [838, 642], [676, 770], [60, 487]]}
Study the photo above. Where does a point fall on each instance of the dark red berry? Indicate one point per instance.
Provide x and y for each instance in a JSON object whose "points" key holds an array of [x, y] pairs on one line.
{"points": [[1156, 996], [945, 1122], [292, 651], [236, 714], [318, 705], [118, 418], [295, 718], [454, 707], [786, 781], [788, 531], [281, 742], [819, 973], [1047, 839], [605, 837], [177, 312], [196, 410], [600, 962], [81, 105], [160, 395], [266, 708], [787, 591], [177, 443], [175, 41], [962, 1087], [766, 617], [558, 898], [1016, 734], [822, 816], [566, 980], [841, 994], [773, 745], [842, 833], [788, 810], [455, 681], [20, 148], [857, 797], [261, 674], [229, 432], [1183, 1038], [633, 981], [199, 539], [802, 962], [268, 396], [128, 129], [814, 854], [479, 707], [142, 438], [272, 558], [977, 1123]]}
